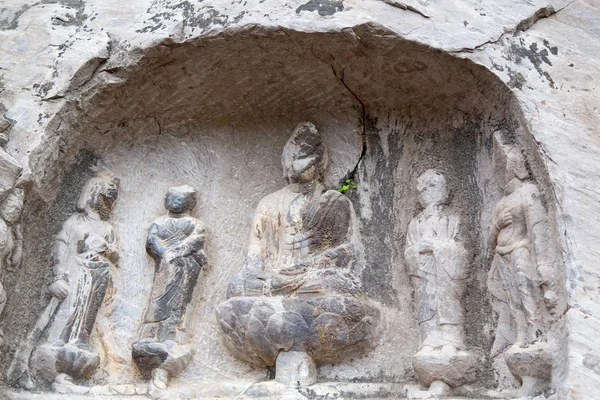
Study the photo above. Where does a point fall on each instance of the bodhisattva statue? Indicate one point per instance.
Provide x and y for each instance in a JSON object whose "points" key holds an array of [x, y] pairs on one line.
{"points": [[85, 252], [438, 266], [297, 301], [521, 278], [176, 243], [11, 239]]}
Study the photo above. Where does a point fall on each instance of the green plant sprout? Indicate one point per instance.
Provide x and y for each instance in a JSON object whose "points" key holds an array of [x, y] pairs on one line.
{"points": [[348, 184]]}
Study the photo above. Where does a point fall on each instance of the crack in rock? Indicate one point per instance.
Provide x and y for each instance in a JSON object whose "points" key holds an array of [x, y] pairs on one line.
{"points": [[407, 7], [521, 26]]}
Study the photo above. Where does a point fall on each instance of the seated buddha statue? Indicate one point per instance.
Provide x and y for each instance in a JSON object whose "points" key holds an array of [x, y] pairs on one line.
{"points": [[297, 301]]}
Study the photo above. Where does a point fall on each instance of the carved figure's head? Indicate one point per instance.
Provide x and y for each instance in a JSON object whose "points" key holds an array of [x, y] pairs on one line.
{"points": [[304, 157], [432, 188], [180, 199], [516, 166], [99, 195], [12, 206]]}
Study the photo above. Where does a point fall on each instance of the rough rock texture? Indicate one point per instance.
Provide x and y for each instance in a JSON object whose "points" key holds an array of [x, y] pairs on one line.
{"points": [[207, 92]]}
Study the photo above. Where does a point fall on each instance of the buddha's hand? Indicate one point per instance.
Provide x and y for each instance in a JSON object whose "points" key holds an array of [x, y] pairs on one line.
{"points": [[294, 270], [504, 219], [284, 285], [424, 246], [549, 287], [59, 289]]}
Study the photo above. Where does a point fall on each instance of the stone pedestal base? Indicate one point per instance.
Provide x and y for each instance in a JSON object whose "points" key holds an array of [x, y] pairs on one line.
{"points": [[329, 329], [451, 368], [295, 369], [532, 366], [170, 356], [75, 360]]}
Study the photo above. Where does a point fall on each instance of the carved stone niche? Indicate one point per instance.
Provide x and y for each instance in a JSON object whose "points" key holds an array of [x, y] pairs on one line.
{"points": [[215, 114]]}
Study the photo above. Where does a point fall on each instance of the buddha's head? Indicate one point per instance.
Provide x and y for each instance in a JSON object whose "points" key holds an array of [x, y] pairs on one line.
{"points": [[304, 157], [99, 195], [432, 188], [180, 199]]}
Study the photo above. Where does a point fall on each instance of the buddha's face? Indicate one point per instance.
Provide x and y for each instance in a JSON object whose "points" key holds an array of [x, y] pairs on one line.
{"points": [[301, 168], [304, 157], [180, 199], [432, 188]]}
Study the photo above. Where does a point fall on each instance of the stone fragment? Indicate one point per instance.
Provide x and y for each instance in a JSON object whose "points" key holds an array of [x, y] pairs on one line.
{"points": [[295, 369]]}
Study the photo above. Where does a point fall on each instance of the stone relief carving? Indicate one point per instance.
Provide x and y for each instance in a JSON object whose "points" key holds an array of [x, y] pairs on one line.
{"points": [[297, 301], [438, 266], [176, 243], [85, 251], [11, 239], [11, 235], [521, 278], [11, 206]]}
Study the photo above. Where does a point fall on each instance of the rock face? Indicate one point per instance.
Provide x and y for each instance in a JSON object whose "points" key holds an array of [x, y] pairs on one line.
{"points": [[496, 96]]}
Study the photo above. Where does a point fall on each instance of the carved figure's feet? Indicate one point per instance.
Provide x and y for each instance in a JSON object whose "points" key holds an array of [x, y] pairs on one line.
{"points": [[170, 356], [295, 369], [158, 383], [440, 389], [437, 390], [64, 384], [24, 381], [425, 350], [449, 350]]}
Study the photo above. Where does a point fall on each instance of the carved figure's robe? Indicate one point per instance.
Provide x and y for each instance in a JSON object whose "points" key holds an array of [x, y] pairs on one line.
{"points": [[300, 244], [85, 253], [177, 246], [439, 276]]}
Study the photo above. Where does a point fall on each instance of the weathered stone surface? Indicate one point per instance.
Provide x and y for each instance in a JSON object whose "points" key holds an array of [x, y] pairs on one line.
{"points": [[143, 82]]}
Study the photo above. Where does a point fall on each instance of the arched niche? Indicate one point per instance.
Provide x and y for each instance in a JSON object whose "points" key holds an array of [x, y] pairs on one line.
{"points": [[215, 112]]}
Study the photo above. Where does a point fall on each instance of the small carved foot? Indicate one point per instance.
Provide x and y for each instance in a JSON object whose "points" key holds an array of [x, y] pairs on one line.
{"points": [[64, 384], [158, 383], [437, 390], [532, 386], [425, 350], [295, 369], [449, 350], [440, 389], [24, 381]]}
